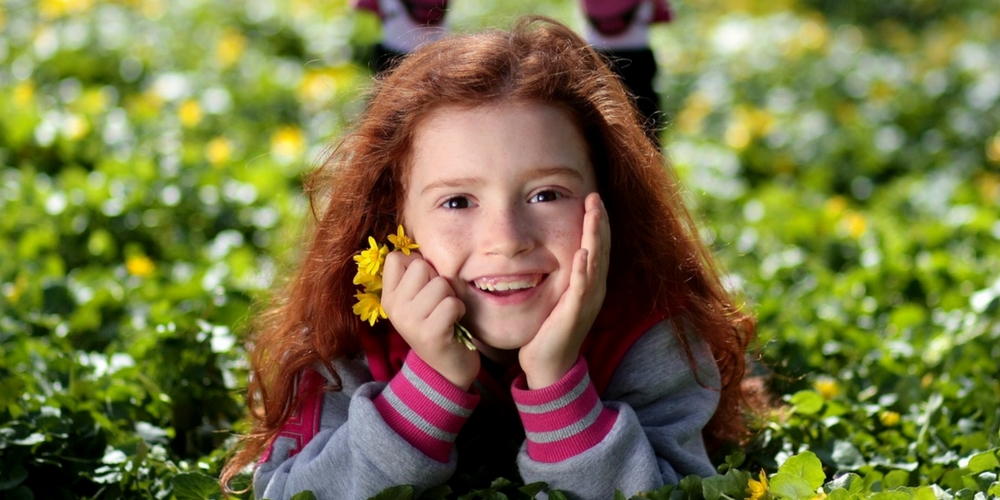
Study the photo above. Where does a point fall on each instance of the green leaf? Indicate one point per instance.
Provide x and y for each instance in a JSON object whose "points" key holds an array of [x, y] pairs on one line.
{"points": [[733, 460], [895, 479], [436, 493], [807, 402], [785, 485], [712, 487], [691, 485], [841, 494], [984, 461], [12, 476], [304, 495], [806, 466], [533, 489], [851, 483], [891, 495], [195, 486], [846, 456], [401, 492], [557, 495], [499, 483]]}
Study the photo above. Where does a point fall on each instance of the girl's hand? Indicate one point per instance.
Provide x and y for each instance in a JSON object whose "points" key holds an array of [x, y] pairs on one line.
{"points": [[423, 308], [556, 346]]}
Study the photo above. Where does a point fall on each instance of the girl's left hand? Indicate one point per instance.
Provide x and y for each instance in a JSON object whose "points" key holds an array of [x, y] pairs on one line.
{"points": [[555, 348]]}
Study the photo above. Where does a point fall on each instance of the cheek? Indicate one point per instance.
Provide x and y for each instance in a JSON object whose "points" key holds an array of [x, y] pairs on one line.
{"points": [[564, 234], [441, 246]]}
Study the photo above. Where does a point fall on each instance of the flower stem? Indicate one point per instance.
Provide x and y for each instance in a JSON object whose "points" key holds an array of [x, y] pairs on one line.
{"points": [[462, 335]]}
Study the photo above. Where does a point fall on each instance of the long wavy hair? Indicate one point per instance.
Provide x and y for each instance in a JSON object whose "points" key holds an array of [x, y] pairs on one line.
{"points": [[658, 263]]}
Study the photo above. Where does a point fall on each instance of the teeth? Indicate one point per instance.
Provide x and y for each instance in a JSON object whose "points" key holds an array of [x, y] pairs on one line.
{"points": [[503, 286]]}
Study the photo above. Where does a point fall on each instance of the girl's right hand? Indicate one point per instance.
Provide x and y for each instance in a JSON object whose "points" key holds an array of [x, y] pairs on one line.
{"points": [[423, 308]]}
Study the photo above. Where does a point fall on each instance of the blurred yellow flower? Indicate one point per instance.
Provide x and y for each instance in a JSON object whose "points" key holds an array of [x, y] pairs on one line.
{"points": [[696, 108], [319, 86], [287, 144], [139, 265], [24, 94], [759, 489], [230, 48], [856, 224], [190, 113], [74, 127], [827, 387], [50, 9], [737, 135], [814, 34], [402, 242], [747, 123], [153, 9], [835, 206], [882, 91], [369, 308], [888, 418], [218, 151], [989, 187], [993, 149]]}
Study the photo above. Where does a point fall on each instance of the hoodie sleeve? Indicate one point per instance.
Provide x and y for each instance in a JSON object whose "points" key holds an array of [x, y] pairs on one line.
{"points": [[368, 436], [659, 405]]}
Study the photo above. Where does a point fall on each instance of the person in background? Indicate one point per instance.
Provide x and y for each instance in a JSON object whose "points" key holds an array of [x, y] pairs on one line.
{"points": [[617, 29]]}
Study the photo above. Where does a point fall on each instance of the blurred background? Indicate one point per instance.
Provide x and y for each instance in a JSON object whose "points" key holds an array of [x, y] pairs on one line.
{"points": [[842, 156]]}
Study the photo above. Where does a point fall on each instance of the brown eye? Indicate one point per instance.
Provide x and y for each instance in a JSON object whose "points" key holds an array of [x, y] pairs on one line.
{"points": [[456, 202], [545, 196]]}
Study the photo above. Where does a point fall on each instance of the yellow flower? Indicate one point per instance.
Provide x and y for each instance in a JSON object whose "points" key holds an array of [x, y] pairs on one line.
{"points": [[888, 418], [190, 113], [827, 387], [369, 307], [371, 282], [370, 265], [230, 48], [759, 489], [218, 151], [370, 261], [287, 144], [139, 265], [402, 242]]}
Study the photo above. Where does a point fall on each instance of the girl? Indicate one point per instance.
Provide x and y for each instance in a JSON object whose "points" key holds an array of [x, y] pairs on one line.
{"points": [[514, 159]]}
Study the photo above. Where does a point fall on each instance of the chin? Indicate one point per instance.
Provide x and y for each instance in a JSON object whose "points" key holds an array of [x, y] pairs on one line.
{"points": [[511, 338]]}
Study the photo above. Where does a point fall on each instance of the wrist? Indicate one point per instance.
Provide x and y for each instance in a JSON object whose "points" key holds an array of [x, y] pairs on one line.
{"points": [[545, 374]]}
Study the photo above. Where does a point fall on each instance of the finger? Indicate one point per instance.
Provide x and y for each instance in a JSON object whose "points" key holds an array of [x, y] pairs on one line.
{"points": [[446, 313], [394, 268], [579, 279], [596, 236], [416, 277]]}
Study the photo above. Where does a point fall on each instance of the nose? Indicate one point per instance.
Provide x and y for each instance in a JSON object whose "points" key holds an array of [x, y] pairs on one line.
{"points": [[507, 231]]}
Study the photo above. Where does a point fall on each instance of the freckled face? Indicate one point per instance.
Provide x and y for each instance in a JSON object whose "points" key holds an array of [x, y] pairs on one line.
{"points": [[495, 198]]}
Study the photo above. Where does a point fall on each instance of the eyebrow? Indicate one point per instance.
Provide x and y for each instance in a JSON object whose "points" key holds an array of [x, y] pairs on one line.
{"points": [[537, 173]]}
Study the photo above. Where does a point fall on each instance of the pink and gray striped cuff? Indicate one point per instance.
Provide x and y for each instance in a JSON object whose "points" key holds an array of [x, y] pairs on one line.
{"points": [[563, 419], [424, 408]]}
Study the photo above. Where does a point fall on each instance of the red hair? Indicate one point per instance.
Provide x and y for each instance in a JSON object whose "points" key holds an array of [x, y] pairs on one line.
{"points": [[658, 263]]}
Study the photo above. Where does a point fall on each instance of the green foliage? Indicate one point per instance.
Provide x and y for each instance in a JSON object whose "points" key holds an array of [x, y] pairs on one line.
{"points": [[845, 157]]}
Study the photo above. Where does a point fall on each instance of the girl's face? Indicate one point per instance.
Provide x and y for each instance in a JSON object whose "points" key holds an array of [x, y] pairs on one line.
{"points": [[495, 198]]}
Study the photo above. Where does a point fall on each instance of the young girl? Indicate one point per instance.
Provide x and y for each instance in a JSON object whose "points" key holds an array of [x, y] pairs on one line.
{"points": [[609, 356]]}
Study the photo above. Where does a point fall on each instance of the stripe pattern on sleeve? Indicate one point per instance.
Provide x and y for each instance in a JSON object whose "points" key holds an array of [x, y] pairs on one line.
{"points": [[424, 408], [564, 419]]}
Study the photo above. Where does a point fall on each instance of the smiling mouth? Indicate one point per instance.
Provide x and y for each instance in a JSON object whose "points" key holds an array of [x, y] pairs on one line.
{"points": [[506, 285]]}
